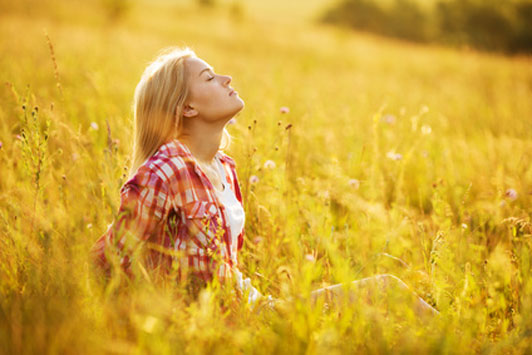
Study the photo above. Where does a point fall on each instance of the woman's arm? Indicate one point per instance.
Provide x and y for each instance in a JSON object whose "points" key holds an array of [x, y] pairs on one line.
{"points": [[143, 208]]}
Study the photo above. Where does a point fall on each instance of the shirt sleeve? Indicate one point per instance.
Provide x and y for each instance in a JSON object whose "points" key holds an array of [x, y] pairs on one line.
{"points": [[244, 286], [143, 207]]}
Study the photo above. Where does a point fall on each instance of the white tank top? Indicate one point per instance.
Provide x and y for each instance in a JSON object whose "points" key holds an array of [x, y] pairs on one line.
{"points": [[235, 213], [236, 218]]}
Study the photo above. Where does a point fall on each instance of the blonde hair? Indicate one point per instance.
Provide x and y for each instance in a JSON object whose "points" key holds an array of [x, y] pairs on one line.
{"points": [[158, 104]]}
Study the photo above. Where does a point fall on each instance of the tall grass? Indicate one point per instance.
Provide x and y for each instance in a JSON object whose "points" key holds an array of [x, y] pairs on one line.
{"points": [[356, 156]]}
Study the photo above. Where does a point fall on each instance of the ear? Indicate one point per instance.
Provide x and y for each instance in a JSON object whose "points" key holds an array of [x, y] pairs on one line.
{"points": [[189, 111]]}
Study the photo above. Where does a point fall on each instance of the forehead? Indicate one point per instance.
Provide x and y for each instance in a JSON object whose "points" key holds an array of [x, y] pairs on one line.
{"points": [[196, 65]]}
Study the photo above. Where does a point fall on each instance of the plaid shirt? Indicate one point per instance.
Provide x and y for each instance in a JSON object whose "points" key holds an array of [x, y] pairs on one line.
{"points": [[171, 206]]}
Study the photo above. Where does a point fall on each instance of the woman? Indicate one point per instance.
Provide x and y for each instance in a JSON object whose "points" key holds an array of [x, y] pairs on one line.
{"points": [[182, 200]]}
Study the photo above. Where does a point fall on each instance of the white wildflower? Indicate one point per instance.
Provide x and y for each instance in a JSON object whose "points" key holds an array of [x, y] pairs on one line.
{"points": [[426, 129], [269, 164], [389, 119], [511, 194], [354, 183], [393, 155]]}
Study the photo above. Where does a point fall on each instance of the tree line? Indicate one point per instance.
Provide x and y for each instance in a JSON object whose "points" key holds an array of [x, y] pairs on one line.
{"points": [[491, 25]]}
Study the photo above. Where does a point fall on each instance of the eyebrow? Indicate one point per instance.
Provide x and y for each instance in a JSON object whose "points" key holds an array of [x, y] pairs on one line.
{"points": [[211, 69]]}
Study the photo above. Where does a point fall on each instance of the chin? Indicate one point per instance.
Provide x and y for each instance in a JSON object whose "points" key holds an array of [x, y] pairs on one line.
{"points": [[240, 107]]}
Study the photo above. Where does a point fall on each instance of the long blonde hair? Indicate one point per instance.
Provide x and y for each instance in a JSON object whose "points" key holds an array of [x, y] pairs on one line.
{"points": [[159, 96]]}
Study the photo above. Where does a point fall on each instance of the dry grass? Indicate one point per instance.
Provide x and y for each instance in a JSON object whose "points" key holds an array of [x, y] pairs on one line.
{"points": [[402, 159]]}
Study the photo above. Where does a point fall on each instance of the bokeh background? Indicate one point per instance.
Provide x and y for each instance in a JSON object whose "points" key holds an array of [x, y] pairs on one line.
{"points": [[378, 137]]}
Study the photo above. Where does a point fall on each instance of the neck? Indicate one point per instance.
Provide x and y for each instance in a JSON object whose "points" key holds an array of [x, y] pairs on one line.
{"points": [[203, 142]]}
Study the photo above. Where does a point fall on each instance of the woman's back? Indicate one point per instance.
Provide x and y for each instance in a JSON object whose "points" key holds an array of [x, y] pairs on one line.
{"points": [[171, 206]]}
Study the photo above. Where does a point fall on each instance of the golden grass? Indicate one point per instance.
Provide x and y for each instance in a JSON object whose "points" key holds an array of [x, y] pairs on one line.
{"points": [[402, 159]]}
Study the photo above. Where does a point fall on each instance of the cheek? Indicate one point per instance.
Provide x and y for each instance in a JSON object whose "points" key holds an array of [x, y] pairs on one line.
{"points": [[210, 93]]}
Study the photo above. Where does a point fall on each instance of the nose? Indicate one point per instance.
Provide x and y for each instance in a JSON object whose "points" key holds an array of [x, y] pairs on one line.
{"points": [[227, 79]]}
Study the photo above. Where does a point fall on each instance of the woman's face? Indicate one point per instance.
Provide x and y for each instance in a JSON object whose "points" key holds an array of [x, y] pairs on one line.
{"points": [[210, 97]]}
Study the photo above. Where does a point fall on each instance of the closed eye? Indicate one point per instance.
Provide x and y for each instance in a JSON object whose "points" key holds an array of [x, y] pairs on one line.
{"points": [[210, 78]]}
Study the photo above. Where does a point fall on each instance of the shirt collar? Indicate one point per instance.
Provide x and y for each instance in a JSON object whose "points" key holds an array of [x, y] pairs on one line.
{"points": [[178, 148]]}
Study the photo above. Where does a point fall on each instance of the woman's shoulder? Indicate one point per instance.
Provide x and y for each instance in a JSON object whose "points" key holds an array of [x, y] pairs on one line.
{"points": [[164, 167], [227, 159]]}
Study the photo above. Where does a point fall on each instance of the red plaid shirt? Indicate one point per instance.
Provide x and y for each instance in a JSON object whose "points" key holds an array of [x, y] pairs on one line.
{"points": [[171, 206]]}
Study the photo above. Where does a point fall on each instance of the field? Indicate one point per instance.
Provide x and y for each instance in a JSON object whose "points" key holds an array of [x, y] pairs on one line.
{"points": [[388, 157]]}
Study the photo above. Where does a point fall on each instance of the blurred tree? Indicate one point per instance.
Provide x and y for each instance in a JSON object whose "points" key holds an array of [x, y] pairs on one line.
{"points": [[522, 40], [207, 3], [486, 24], [116, 9]]}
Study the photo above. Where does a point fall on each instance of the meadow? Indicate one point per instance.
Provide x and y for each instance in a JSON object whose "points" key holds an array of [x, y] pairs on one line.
{"points": [[357, 156]]}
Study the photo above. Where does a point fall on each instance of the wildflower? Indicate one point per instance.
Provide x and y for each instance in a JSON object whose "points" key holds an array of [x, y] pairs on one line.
{"points": [[19, 137], [511, 194], [116, 141], [464, 226], [389, 119], [253, 179], [231, 121], [94, 126], [257, 239], [424, 109], [89, 225], [284, 109], [149, 324], [393, 155], [1, 145], [269, 164], [354, 183], [75, 156], [324, 194], [310, 257], [426, 129]]}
